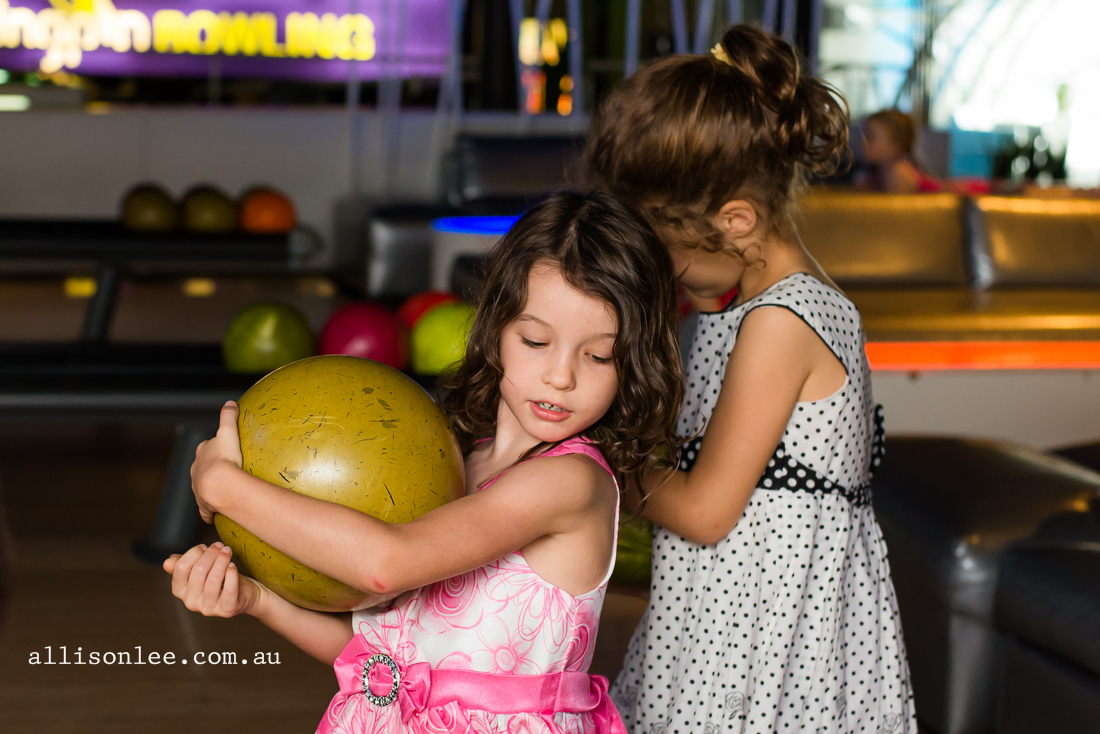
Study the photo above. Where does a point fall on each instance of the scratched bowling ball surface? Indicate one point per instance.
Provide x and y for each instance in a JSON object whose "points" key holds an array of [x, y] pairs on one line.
{"points": [[345, 430]]}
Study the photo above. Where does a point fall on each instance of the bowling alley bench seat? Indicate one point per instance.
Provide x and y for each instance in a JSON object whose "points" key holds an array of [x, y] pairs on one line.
{"points": [[940, 267], [950, 510], [945, 282]]}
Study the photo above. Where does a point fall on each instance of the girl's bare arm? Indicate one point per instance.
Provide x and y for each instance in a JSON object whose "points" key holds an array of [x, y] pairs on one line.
{"points": [[774, 356], [541, 497]]}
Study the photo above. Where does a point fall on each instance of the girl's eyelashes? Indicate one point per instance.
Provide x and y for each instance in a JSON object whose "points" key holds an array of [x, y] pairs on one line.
{"points": [[539, 345]]}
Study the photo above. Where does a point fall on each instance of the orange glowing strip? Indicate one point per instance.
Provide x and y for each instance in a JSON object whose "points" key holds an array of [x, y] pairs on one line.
{"points": [[992, 355]]}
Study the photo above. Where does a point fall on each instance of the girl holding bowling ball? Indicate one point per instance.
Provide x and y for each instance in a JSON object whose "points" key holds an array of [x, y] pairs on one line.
{"points": [[772, 608], [490, 604]]}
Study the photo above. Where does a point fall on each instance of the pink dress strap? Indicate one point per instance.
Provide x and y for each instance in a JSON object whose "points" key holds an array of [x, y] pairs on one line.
{"points": [[580, 445], [575, 445]]}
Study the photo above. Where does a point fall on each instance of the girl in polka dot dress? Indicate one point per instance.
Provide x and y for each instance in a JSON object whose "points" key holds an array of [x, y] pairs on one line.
{"points": [[771, 607]]}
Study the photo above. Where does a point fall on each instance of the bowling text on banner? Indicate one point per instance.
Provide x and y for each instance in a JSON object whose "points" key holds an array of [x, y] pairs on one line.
{"points": [[305, 39]]}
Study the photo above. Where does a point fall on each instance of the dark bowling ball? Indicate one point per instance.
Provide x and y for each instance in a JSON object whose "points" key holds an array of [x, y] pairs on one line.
{"points": [[149, 208], [206, 209]]}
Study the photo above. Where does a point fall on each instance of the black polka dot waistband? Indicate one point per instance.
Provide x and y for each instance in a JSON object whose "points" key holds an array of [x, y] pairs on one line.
{"points": [[784, 472]]}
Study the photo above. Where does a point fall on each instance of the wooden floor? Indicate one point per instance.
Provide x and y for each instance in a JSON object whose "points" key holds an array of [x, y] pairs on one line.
{"points": [[75, 499]]}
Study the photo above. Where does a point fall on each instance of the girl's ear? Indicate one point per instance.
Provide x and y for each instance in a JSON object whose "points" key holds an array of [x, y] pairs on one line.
{"points": [[736, 219]]}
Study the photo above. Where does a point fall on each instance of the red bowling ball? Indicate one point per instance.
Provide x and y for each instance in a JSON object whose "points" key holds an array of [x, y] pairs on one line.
{"points": [[367, 330], [421, 303]]}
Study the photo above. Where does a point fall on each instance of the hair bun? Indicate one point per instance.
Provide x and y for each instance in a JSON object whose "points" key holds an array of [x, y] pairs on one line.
{"points": [[683, 136], [809, 117]]}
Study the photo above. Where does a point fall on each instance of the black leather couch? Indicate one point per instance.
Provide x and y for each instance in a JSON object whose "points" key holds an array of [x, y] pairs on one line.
{"points": [[949, 511], [7, 561], [1048, 607]]}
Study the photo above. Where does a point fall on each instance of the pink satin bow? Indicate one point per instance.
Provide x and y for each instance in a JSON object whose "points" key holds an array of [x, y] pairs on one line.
{"points": [[412, 693], [605, 715], [422, 688]]}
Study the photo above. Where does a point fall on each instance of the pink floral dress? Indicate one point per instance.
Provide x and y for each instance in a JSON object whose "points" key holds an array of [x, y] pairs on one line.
{"points": [[501, 618]]}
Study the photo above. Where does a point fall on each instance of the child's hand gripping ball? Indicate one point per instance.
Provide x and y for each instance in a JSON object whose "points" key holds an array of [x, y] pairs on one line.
{"points": [[345, 430], [222, 450], [207, 582]]}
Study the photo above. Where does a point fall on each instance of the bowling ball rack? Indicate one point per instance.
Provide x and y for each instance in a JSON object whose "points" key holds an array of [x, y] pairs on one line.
{"points": [[94, 379], [61, 246]]}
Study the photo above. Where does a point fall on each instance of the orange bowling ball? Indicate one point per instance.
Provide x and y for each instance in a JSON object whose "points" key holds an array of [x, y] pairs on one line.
{"points": [[266, 210]]}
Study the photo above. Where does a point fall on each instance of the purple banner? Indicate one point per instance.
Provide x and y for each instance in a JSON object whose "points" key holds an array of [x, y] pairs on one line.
{"points": [[273, 39]]}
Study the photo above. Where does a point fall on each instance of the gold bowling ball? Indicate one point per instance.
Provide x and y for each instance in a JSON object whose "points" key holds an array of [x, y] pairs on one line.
{"points": [[346, 430]]}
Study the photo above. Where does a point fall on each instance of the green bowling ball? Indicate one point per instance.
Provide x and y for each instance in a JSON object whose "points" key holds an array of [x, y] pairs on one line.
{"points": [[266, 336], [634, 553], [346, 430], [439, 338]]}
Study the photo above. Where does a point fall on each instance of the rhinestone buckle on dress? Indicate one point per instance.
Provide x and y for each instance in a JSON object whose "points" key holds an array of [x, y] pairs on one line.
{"points": [[381, 657]]}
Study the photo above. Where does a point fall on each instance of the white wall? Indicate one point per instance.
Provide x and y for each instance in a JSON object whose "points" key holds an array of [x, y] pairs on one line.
{"points": [[75, 164], [1044, 409]]}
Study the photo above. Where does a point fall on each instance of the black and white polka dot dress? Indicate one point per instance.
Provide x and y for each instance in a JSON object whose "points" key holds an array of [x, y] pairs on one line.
{"points": [[788, 624]]}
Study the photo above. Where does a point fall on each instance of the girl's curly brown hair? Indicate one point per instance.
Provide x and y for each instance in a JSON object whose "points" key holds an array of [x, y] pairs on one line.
{"points": [[686, 134], [603, 251]]}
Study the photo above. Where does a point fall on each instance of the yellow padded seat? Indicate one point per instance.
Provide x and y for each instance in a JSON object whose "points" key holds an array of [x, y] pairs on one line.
{"points": [[1035, 242], [879, 239], [904, 260]]}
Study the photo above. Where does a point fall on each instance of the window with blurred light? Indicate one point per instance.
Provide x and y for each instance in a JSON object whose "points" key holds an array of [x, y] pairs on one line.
{"points": [[1016, 80]]}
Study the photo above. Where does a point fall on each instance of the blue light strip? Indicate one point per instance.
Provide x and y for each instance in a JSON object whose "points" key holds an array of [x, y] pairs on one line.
{"points": [[474, 225]]}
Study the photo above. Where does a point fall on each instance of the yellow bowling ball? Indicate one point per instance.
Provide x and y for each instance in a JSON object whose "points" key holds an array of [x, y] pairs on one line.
{"points": [[345, 430]]}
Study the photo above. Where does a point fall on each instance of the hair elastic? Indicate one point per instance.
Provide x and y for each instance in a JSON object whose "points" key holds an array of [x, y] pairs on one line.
{"points": [[720, 54]]}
